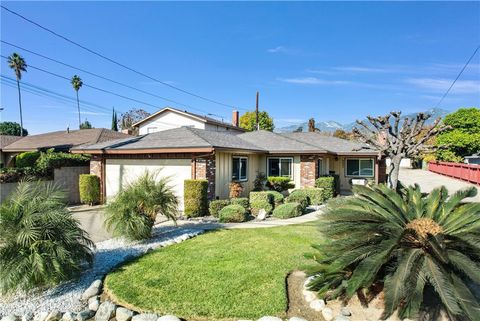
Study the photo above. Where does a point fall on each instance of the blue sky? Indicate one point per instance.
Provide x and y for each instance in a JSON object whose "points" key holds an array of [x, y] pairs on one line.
{"points": [[332, 61]]}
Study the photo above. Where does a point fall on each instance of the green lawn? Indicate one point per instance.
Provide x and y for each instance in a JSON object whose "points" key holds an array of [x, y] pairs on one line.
{"points": [[219, 275]]}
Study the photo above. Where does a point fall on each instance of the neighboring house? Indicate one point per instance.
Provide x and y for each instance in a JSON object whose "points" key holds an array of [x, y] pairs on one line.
{"points": [[473, 159], [221, 157], [6, 140], [169, 118], [59, 141]]}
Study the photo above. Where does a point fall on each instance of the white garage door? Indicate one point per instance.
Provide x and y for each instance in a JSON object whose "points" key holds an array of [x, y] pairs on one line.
{"points": [[119, 172]]}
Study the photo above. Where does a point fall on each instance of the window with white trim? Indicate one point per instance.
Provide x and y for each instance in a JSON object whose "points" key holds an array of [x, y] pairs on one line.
{"points": [[239, 168], [359, 167], [280, 166]]}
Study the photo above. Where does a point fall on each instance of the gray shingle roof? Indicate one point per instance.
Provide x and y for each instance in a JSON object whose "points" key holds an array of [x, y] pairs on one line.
{"points": [[276, 143]]}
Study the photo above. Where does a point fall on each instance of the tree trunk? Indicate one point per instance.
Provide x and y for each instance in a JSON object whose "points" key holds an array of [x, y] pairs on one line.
{"points": [[78, 106], [20, 106], [393, 172]]}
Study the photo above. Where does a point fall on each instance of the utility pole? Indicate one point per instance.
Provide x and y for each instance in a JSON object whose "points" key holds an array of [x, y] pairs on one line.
{"points": [[256, 114]]}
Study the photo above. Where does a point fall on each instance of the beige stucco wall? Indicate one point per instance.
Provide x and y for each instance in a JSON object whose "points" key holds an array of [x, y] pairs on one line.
{"points": [[120, 172], [339, 167]]}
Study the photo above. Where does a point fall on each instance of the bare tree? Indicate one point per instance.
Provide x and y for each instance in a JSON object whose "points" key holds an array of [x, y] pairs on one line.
{"points": [[398, 138]]}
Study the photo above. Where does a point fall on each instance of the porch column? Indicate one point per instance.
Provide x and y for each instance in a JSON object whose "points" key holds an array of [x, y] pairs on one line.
{"points": [[308, 170], [97, 168]]}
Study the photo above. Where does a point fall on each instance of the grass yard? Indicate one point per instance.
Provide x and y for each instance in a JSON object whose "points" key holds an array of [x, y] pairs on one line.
{"points": [[227, 274]]}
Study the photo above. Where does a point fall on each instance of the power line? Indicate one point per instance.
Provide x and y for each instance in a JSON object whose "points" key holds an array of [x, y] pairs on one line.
{"points": [[458, 76], [115, 62]]}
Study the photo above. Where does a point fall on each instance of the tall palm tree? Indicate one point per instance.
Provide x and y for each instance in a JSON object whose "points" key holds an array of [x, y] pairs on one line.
{"points": [[77, 84], [423, 249], [18, 64]]}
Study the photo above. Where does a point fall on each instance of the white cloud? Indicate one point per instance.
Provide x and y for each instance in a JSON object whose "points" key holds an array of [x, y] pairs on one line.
{"points": [[90, 113], [442, 84], [277, 49], [312, 81], [361, 69]]}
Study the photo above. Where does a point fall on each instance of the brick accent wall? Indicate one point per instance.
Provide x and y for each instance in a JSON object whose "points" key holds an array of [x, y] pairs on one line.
{"points": [[308, 170], [96, 168], [200, 168], [204, 168]]}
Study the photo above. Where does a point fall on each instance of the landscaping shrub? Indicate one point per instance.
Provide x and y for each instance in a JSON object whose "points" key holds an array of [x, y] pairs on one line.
{"points": [[232, 214], [279, 183], [216, 205], [26, 159], [327, 183], [298, 196], [288, 210], [89, 187], [50, 160], [15, 174], [235, 189], [195, 197], [261, 200], [417, 245], [242, 201], [259, 182], [277, 197], [133, 211], [41, 243], [315, 195]]}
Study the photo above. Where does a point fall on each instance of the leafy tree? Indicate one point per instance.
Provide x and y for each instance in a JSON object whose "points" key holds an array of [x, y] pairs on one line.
{"points": [[133, 211], [417, 246], [398, 138], [41, 243], [77, 84], [463, 138], [248, 121], [12, 128], [131, 117], [86, 125], [18, 64], [114, 120]]}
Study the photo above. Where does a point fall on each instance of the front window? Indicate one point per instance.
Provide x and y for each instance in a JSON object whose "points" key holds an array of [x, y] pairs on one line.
{"points": [[360, 167], [280, 166], [239, 168]]}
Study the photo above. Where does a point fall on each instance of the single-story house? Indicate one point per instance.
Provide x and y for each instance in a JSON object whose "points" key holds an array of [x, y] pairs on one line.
{"points": [[222, 157], [6, 140], [169, 118], [473, 159], [61, 141]]}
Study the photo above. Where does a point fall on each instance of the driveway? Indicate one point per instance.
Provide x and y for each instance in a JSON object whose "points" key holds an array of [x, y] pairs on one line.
{"points": [[428, 181]]}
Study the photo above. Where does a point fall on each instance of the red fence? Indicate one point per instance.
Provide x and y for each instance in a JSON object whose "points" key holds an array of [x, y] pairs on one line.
{"points": [[465, 172]]}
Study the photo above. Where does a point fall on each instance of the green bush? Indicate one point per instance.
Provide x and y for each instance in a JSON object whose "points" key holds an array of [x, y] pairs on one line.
{"points": [[26, 159], [261, 200], [298, 196], [279, 183], [232, 214], [133, 211], [327, 183], [315, 195], [277, 197], [242, 201], [41, 243], [288, 210], [89, 187], [195, 197], [215, 206], [50, 160], [15, 174]]}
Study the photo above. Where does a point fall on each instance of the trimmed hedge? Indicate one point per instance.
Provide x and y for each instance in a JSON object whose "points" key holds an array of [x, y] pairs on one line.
{"points": [[195, 197], [279, 183], [50, 160], [298, 196], [288, 210], [26, 159], [89, 187], [232, 214], [215, 206], [315, 195], [277, 197], [261, 200], [242, 201], [328, 184]]}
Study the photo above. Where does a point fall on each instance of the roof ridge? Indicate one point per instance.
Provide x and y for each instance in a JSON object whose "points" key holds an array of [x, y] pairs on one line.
{"points": [[299, 141], [100, 132], [191, 129]]}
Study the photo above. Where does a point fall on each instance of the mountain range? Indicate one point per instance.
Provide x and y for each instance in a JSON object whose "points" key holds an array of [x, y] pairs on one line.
{"points": [[331, 125]]}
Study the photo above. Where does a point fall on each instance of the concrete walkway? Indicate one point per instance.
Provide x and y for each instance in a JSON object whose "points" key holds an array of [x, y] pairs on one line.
{"points": [[428, 181], [91, 220]]}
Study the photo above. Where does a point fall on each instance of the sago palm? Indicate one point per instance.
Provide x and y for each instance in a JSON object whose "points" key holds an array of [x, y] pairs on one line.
{"points": [[18, 64], [41, 244], [77, 83], [419, 247], [132, 213]]}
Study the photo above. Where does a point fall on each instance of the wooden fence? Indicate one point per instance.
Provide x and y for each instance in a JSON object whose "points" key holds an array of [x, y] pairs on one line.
{"points": [[465, 172]]}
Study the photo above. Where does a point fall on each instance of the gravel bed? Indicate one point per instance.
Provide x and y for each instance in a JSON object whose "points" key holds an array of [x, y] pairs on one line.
{"points": [[109, 254]]}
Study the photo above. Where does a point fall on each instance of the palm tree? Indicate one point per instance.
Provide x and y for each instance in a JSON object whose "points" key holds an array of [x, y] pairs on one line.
{"points": [[416, 246], [17, 63], [77, 84]]}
